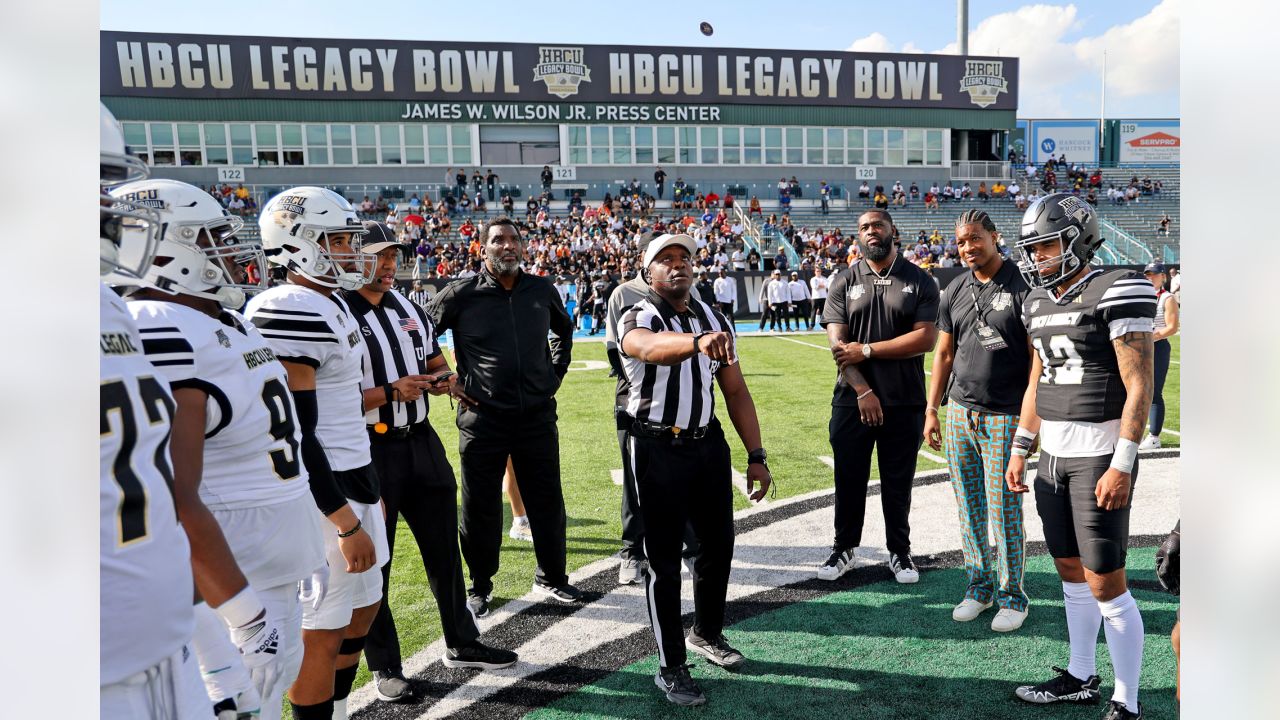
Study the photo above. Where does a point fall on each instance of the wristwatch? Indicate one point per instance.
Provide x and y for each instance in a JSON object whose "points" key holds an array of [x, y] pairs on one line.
{"points": [[866, 350], [758, 456]]}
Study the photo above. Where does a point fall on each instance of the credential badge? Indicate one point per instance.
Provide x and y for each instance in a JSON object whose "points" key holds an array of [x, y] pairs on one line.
{"points": [[984, 81], [562, 69]]}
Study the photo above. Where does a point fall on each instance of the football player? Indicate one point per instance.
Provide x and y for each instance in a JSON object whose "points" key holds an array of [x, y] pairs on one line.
{"points": [[235, 432], [146, 669], [312, 234], [1088, 396]]}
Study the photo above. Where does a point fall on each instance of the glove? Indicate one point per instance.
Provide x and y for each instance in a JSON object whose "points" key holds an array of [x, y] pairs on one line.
{"points": [[259, 642], [1168, 561], [312, 589]]}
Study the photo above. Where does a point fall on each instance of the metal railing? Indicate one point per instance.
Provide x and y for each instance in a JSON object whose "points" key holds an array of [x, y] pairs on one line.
{"points": [[1127, 247], [980, 170]]}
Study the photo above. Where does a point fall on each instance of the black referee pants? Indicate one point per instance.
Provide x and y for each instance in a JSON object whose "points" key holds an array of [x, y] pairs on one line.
{"points": [[896, 443], [685, 483], [632, 522], [418, 483], [532, 440]]}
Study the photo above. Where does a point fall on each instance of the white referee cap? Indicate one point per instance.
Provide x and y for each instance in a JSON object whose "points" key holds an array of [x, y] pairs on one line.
{"points": [[661, 242]]}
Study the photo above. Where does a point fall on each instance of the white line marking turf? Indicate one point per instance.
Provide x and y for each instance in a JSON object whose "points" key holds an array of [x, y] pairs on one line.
{"points": [[820, 347]]}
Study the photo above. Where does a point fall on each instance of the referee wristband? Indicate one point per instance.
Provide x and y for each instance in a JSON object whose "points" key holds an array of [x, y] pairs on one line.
{"points": [[352, 531], [1125, 456]]}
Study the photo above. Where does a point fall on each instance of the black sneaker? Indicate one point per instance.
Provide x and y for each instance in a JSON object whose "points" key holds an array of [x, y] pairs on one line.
{"points": [[564, 593], [840, 562], [479, 605], [717, 651], [679, 687], [1064, 687], [391, 685], [479, 655], [904, 568], [1117, 710]]}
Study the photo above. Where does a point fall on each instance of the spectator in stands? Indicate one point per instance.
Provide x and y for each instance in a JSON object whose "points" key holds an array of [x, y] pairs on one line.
{"points": [[966, 193], [794, 188], [1091, 198], [236, 205], [754, 208], [1164, 225], [753, 261], [785, 201], [491, 183], [1157, 188], [479, 204], [1095, 180], [998, 190], [881, 202], [780, 260], [930, 201], [1020, 201], [864, 191], [1013, 190], [824, 195], [983, 194], [914, 191], [508, 203], [547, 176], [1131, 194], [415, 203], [713, 199], [678, 192], [947, 193], [464, 204]]}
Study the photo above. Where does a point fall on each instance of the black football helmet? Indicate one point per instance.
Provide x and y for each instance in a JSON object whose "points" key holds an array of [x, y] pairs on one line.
{"points": [[1065, 218]]}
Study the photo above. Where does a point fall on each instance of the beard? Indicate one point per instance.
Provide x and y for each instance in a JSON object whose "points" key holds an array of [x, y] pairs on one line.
{"points": [[875, 253], [503, 267]]}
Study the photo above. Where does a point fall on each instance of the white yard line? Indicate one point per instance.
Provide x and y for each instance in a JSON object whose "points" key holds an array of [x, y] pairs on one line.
{"points": [[828, 461], [935, 458], [1171, 432]]}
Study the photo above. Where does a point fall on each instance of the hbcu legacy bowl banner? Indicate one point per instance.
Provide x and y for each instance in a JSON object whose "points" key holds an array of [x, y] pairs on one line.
{"points": [[237, 67]]}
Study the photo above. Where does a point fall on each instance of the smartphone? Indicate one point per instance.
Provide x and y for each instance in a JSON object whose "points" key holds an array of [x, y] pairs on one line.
{"points": [[444, 378]]}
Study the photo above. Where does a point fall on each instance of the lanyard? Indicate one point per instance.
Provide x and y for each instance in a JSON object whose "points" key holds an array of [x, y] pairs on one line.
{"points": [[977, 308]]}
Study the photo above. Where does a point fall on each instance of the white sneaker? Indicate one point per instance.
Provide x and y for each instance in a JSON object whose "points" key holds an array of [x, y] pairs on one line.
{"points": [[520, 531], [968, 609], [840, 562], [1008, 620], [1151, 442], [904, 568]]}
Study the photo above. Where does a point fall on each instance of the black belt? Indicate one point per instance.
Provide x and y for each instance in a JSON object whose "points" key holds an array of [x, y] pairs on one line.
{"points": [[644, 428], [395, 433]]}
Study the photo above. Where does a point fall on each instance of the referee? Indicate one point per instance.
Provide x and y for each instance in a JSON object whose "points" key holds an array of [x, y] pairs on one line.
{"points": [[982, 363], [402, 358], [673, 347], [633, 566]]}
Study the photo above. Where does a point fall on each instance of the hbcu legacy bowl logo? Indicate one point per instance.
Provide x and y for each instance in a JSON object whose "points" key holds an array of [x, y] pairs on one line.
{"points": [[562, 69], [984, 81]]}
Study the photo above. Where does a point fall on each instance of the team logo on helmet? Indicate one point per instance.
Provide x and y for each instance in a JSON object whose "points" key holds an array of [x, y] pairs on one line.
{"points": [[562, 69], [984, 81]]}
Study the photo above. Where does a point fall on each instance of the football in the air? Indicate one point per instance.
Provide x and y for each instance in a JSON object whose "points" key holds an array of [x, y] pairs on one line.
{"points": [[706, 28]]}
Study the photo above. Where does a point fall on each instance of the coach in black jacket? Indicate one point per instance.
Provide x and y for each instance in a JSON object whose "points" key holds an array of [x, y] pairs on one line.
{"points": [[508, 374]]}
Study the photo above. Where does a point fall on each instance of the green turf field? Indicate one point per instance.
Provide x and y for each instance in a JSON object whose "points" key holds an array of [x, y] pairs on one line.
{"points": [[889, 651], [791, 383]]}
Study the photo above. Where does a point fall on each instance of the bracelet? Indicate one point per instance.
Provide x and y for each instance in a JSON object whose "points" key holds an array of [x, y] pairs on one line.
{"points": [[1125, 456], [389, 391], [932, 408], [1020, 451], [352, 531], [240, 610], [868, 392]]}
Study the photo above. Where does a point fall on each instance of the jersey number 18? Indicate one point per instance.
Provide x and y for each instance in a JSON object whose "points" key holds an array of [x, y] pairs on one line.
{"points": [[1070, 371]]}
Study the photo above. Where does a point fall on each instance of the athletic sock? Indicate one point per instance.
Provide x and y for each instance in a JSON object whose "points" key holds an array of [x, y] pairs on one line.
{"points": [[1124, 641], [339, 709], [519, 520], [1083, 619], [319, 711]]}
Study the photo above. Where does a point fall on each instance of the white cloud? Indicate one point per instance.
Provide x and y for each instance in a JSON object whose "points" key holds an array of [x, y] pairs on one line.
{"points": [[1061, 78], [875, 42]]}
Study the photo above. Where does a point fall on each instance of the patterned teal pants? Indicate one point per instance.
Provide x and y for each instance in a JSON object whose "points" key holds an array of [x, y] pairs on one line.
{"points": [[977, 453]]}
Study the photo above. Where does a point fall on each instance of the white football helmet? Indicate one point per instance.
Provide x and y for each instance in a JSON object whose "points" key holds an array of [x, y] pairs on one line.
{"points": [[118, 166], [296, 226], [199, 253]]}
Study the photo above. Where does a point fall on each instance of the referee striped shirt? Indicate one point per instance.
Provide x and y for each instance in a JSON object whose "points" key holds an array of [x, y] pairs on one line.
{"points": [[400, 340], [675, 395]]}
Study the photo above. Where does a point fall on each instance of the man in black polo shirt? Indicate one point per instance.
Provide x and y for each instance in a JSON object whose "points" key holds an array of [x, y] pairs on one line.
{"points": [[508, 374], [402, 360], [880, 322], [984, 358]]}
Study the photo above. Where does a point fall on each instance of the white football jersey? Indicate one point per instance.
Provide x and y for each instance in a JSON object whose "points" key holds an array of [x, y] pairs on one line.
{"points": [[252, 454], [145, 561], [304, 326]]}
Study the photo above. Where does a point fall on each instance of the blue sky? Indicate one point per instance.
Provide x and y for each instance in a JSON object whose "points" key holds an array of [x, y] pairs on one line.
{"points": [[1060, 45]]}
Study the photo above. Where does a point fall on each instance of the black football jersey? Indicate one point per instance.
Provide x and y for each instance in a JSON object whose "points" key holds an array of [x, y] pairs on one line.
{"points": [[1081, 380]]}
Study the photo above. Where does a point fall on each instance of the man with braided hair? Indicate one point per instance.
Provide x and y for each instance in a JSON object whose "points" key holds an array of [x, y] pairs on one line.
{"points": [[981, 364]]}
